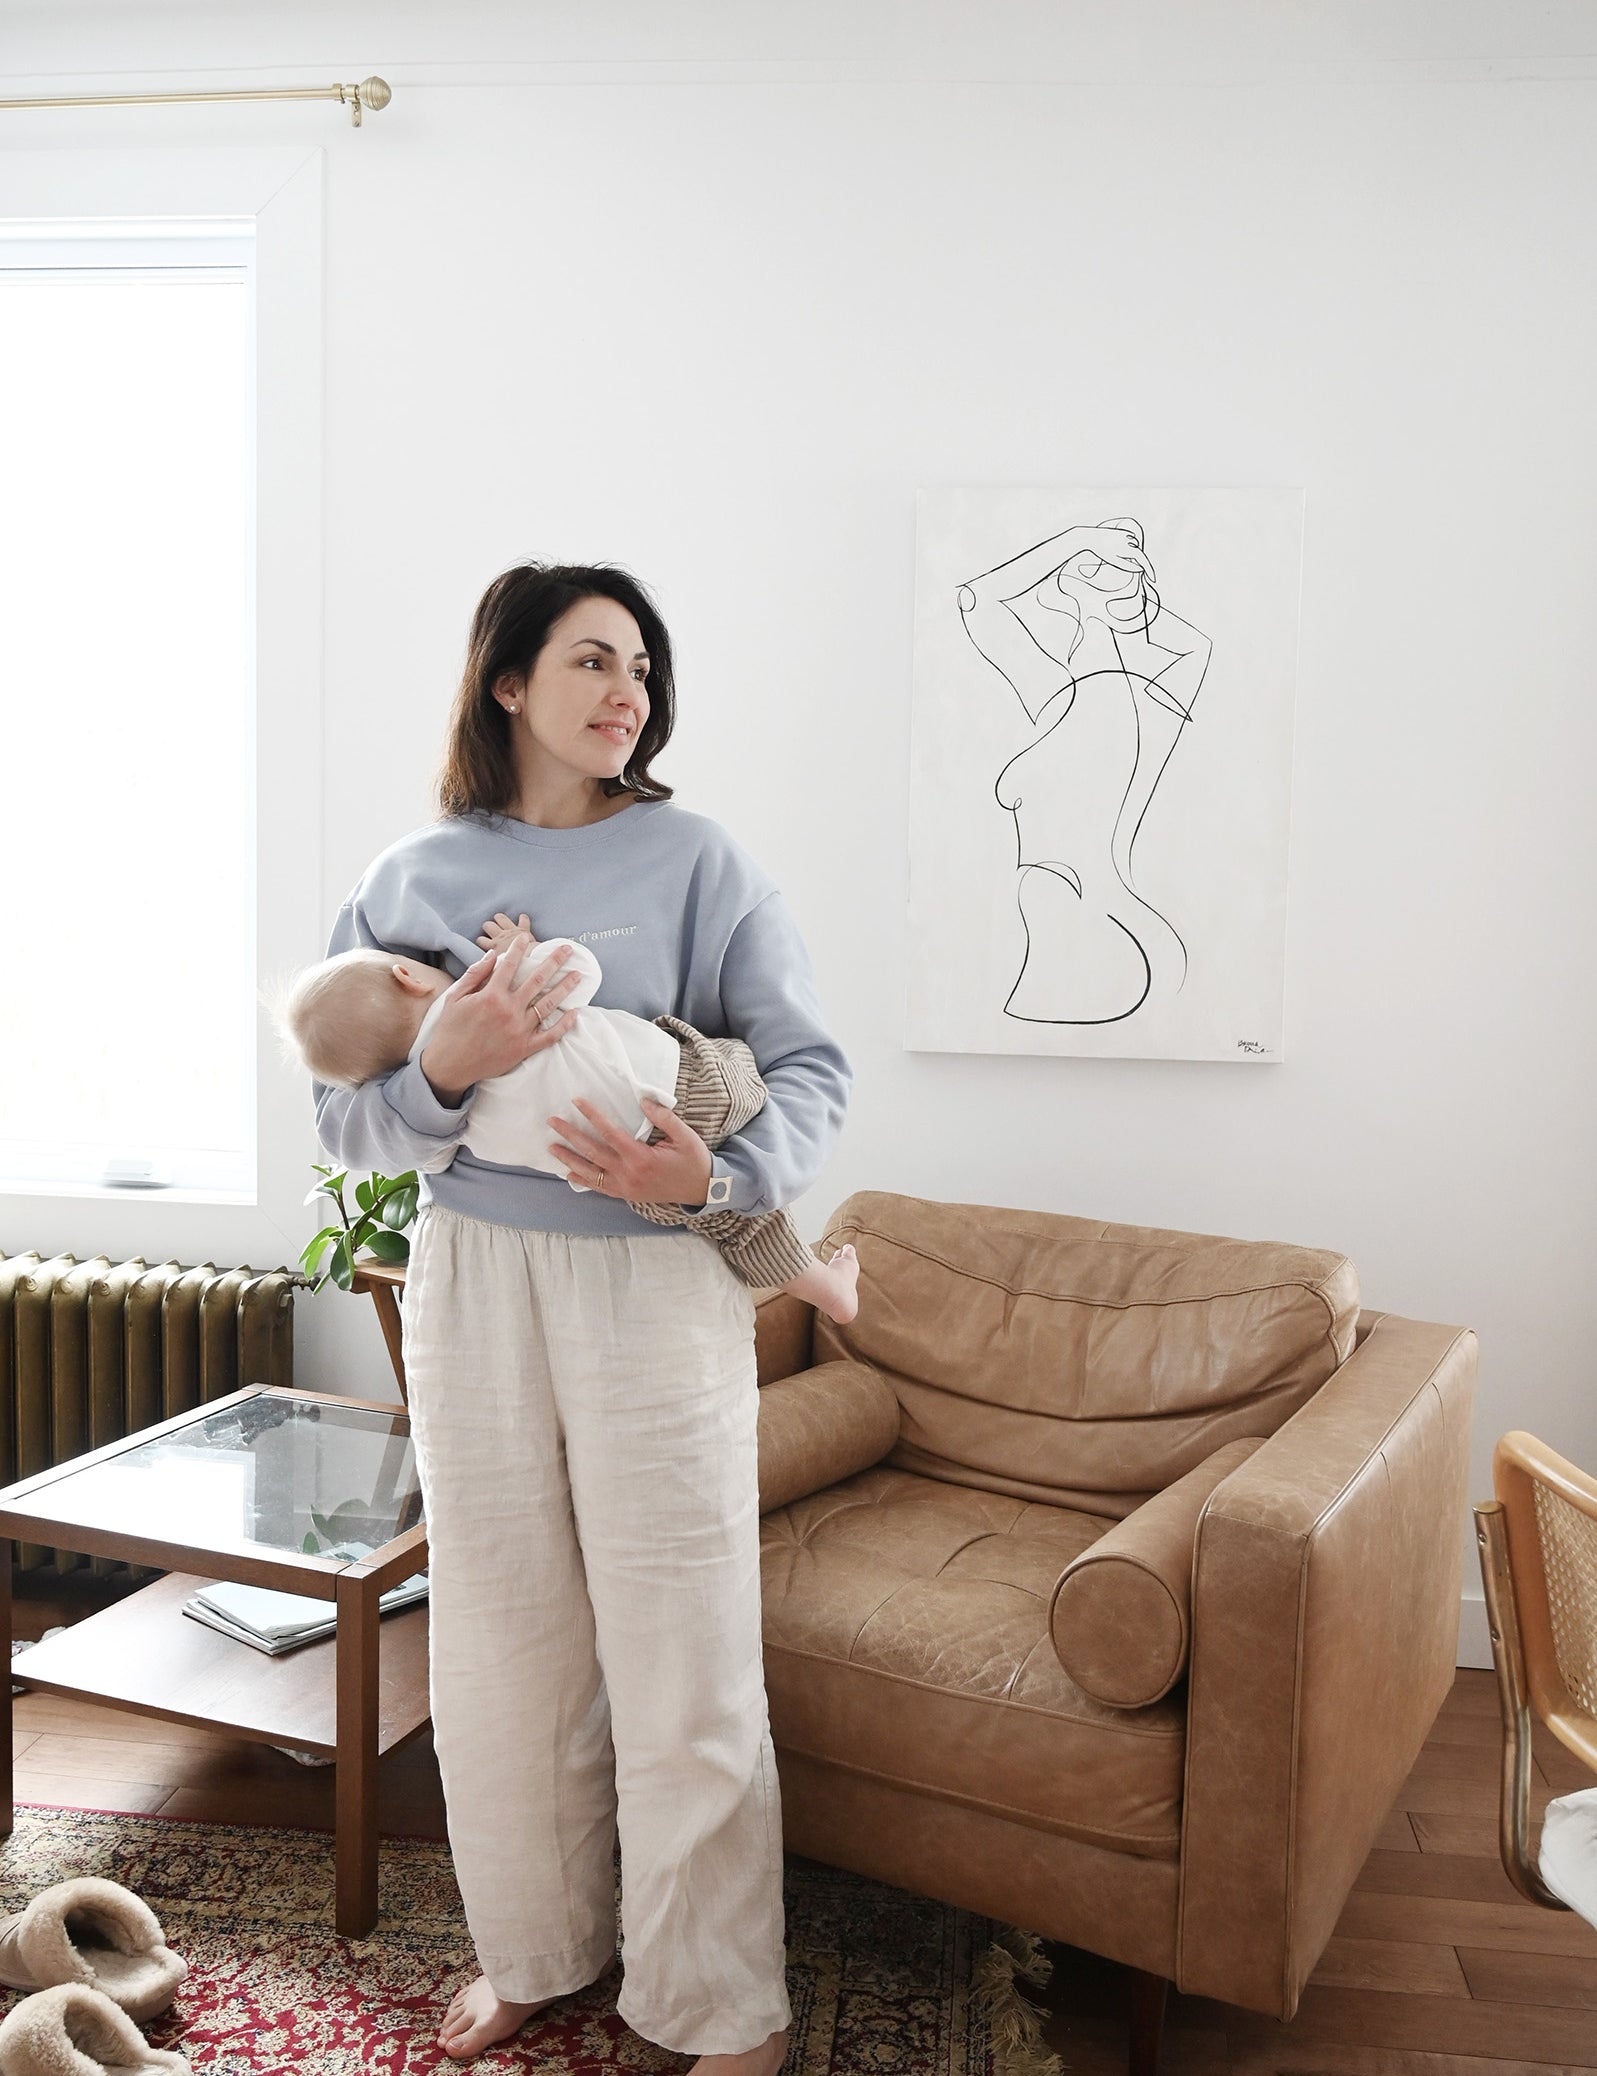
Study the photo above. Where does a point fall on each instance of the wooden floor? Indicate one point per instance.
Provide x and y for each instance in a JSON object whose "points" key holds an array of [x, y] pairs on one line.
{"points": [[1437, 1967]]}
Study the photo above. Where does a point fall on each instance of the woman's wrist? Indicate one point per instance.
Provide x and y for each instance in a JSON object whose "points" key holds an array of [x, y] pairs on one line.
{"points": [[438, 1079], [699, 1196]]}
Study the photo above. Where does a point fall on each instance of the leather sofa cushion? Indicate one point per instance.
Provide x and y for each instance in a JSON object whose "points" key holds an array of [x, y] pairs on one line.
{"points": [[822, 1425], [1085, 1364], [906, 1637], [1121, 1616], [783, 1334]]}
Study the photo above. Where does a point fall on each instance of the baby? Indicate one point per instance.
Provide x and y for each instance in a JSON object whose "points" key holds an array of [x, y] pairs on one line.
{"points": [[365, 1013]]}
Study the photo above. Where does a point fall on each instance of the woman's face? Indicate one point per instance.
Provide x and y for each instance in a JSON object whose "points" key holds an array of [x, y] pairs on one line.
{"points": [[1101, 590], [585, 698]]}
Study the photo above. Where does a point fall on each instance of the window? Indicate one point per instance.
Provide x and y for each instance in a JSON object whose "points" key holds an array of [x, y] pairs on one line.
{"points": [[127, 706]]}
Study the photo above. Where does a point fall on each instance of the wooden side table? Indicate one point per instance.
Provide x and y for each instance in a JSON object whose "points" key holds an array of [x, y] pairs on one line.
{"points": [[385, 1281], [234, 1490]]}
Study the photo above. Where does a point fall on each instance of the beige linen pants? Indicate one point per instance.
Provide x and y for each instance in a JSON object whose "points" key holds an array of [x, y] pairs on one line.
{"points": [[584, 1413]]}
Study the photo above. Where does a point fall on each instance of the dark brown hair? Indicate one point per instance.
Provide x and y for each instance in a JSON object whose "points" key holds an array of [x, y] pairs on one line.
{"points": [[508, 631]]}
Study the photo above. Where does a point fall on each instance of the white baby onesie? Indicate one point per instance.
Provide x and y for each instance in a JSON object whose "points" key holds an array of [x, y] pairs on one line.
{"points": [[608, 1057]]}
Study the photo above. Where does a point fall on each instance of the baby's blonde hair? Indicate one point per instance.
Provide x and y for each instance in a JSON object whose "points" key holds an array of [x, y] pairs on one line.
{"points": [[349, 1019]]}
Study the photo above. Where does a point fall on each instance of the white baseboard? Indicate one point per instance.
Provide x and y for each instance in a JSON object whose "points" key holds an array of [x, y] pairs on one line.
{"points": [[1474, 1638]]}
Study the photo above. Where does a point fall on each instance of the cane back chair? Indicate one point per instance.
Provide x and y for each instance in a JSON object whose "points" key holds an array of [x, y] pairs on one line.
{"points": [[1538, 1552]]}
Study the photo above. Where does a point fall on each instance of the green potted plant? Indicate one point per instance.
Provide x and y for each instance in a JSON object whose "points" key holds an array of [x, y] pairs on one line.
{"points": [[385, 1205]]}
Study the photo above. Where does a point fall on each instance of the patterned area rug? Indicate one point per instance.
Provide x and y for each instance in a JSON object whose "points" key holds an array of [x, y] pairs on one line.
{"points": [[881, 1983]]}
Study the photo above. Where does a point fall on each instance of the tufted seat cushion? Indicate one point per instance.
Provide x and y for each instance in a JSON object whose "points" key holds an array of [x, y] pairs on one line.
{"points": [[906, 1637]]}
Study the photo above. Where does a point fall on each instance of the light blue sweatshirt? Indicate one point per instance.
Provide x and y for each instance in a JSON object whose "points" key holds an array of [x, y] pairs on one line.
{"points": [[683, 923]]}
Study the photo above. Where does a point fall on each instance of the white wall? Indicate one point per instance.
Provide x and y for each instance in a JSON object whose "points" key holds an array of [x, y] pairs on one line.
{"points": [[714, 289]]}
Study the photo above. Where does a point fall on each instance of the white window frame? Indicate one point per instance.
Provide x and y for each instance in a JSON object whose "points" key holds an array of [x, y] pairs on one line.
{"points": [[213, 250], [277, 196]]}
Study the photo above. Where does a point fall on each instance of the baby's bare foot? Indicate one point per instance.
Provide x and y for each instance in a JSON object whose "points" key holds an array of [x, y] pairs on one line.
{"points": [[758, 2061], [830, 1286], [476, 2018]]}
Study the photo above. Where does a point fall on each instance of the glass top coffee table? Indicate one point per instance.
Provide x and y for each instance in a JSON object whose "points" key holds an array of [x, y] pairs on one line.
{"points": [[286, 1489]]}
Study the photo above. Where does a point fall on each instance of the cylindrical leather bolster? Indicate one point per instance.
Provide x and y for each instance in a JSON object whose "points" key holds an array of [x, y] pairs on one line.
{"points": [[822, 1425], [783, 1326], [1121, 1615]]}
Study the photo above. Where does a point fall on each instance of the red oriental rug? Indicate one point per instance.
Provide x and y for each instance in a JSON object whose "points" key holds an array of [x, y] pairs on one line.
{"points": [[879, 1981]]}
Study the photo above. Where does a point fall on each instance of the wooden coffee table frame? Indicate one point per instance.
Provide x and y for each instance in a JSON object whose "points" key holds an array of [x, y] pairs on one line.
{"points": [[352, 1697]]}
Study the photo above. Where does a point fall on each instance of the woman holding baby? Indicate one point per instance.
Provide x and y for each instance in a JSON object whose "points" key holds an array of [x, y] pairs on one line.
{"points": [[582, 1379]]}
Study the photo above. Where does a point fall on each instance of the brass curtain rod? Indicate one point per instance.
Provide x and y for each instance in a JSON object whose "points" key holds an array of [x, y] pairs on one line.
{"points": [[371, 93]]}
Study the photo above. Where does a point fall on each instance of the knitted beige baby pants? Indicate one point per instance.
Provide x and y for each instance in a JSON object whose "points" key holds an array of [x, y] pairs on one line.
{"points": [[584, 1414]]}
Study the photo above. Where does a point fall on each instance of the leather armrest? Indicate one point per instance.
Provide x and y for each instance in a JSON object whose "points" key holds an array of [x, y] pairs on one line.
{"points": [[783, 1327], [1324, 1636], [1121, 1613], [821, 1425]]}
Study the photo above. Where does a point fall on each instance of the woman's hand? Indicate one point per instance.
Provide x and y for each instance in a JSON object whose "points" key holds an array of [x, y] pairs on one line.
{"points": [[604, 1158], [1117, 542], [491, 1021]]}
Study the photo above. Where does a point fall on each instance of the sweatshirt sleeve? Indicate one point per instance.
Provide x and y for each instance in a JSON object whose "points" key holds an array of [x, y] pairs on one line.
{"points": [[769, 1000], [395, 1122]]}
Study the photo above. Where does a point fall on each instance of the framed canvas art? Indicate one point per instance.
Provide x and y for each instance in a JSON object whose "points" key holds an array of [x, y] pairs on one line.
{"points": [[1100, 771]]}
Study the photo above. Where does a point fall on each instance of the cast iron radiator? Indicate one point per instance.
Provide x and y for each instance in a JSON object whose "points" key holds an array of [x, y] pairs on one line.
{"points": [[91, 1351]]}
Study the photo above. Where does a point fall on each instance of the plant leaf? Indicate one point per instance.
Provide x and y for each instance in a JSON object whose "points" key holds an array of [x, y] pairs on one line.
{"points": [[363, 1194], [311, 1546], [400, 1208], [341, 1265], [313, 1248], [387, 1246]]}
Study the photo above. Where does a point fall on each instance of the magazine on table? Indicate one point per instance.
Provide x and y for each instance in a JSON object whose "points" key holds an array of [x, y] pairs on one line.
{"points": [[278, 1622]]}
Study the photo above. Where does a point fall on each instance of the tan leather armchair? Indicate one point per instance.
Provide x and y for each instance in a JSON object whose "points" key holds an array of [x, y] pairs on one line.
{"points": [[1111, 1581]]}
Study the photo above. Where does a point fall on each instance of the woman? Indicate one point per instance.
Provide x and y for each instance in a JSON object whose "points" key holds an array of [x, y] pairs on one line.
{"points": [[581, 1381]]}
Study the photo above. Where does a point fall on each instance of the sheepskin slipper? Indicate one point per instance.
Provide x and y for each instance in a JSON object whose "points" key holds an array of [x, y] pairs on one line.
{"points": [[73, 2030], [96, 1933]]}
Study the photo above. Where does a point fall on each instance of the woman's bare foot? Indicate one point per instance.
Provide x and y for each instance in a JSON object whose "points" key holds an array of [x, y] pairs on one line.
{"points": [[758, 2061], [830, 1287], [477, 2018]]}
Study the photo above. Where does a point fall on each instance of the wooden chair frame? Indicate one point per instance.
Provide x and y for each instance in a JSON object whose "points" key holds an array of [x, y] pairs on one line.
{"points": [[1514, 1578]]}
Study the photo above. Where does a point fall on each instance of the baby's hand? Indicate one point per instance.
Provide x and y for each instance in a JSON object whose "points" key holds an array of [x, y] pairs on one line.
{"points": [[497, 932]]}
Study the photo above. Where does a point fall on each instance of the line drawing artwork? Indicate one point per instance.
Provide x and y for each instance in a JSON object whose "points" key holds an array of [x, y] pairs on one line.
{"points": [[1100, 770], [1108, 677]]}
